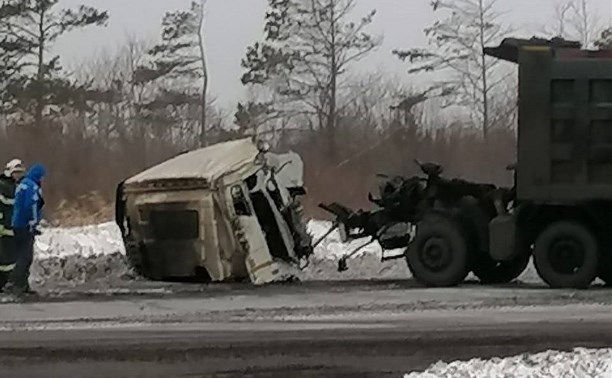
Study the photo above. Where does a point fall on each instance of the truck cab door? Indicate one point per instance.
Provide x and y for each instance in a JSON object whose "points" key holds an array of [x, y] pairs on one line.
{"points": [[261, 265]]}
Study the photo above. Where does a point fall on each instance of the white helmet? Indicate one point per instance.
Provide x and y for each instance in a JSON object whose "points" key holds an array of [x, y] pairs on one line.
{"points": [[13, 166]]}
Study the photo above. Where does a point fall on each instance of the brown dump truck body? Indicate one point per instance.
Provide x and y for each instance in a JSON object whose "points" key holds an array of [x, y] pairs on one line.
{"points": [[565, 123]]}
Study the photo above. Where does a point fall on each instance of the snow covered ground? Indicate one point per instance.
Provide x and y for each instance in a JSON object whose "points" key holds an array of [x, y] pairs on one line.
{"points": [[78, 255], [593, 363], [74, 256]]}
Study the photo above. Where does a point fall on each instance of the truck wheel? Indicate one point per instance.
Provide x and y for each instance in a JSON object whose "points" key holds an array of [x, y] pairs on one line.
{"points": [[566, 255], [491, 272], [438, 255]]}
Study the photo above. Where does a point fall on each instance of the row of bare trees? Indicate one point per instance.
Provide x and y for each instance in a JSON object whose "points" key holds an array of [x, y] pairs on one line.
{"points": [[304, 61], [121, 112]]}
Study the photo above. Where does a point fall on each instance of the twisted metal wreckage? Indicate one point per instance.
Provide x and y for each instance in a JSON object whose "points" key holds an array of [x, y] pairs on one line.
{"points": [[222, 213]]}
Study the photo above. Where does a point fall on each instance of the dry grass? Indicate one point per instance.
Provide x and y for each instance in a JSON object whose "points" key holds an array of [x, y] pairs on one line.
{"points": [[85, 168], [86, 209], [347, 181]]}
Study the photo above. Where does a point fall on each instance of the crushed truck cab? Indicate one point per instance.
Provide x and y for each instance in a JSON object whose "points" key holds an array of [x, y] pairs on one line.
{"points": [[227, 212]]}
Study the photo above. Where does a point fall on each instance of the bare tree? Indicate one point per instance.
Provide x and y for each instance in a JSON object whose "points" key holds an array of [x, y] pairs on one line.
{"points": [[575, 20], [308, 49], [457, 46], [178, 60]]}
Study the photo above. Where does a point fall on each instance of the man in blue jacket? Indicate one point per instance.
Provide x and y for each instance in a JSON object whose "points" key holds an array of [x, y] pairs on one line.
{"points": [[27, 214]]}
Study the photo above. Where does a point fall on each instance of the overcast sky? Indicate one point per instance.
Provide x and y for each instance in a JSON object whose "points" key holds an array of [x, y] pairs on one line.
{"points": [[232, 25]]}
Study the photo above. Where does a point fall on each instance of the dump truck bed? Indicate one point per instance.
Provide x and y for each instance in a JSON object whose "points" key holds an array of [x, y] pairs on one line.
{"points": [[565, 120]]}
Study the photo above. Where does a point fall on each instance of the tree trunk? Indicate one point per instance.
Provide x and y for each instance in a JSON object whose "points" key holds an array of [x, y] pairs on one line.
{"points": [[40, 76], [203, 136], [332, 117], [485, 87]]}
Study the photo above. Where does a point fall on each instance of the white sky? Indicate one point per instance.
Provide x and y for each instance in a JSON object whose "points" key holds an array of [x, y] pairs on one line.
{"points": [[232, 25]]}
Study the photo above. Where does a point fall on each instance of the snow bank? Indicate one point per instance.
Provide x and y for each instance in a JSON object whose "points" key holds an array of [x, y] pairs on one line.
{"points": [[96, 253], [596, 363], [78, 255]]}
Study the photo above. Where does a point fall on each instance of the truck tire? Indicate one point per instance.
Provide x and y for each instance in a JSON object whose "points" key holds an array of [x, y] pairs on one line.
{"points": [[488, 271], [438, 255], [566, 255], [491, 272]]}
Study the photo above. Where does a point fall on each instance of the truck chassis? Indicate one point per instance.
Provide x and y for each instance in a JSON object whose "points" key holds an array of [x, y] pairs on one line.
{"points": [[559, 208]]}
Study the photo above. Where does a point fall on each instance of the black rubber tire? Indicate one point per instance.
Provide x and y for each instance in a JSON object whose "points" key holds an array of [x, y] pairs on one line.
{"points": [[438, 233], [550, 268], [491, 272]]}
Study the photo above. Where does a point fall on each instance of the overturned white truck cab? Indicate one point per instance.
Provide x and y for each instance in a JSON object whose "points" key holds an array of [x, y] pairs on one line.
{"points": [[228, 212]]}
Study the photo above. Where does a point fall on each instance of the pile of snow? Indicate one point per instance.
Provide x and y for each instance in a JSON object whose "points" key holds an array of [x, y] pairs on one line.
{"points": [[94, 253], [78, 255], [366, 264], [596, 363]]}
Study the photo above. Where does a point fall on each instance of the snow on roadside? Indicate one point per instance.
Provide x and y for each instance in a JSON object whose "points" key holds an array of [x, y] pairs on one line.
{"points": [[366, 264], [78, 255], [581, 362], [94, 240], [96, 253]]}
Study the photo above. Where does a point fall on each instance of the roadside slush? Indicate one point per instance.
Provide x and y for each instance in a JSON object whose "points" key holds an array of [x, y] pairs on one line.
{"points": [[234, 336], [331, 301]]}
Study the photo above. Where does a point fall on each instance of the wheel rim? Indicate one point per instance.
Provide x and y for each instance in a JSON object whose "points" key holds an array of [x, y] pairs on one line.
{"points": [[436, 254], [566, 255]]}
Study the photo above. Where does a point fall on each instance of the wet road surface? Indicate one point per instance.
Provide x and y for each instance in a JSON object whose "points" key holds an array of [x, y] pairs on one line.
{"points": [[318, 330]]}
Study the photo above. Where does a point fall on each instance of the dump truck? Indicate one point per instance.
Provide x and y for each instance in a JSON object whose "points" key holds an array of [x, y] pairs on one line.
{"points": [[559, 210], [227, 212]]}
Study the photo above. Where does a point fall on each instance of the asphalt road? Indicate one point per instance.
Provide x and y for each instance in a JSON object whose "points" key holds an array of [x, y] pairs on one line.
{"points": [[332, 330]]}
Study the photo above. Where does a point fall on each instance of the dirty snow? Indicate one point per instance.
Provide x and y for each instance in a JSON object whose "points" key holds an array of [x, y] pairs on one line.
{"points": [[367, 263], [581, 362], [95, 253], [79, 255]]}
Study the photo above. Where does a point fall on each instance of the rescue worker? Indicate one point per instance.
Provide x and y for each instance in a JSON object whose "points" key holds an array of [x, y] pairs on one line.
{"points": [[12, 174], [27, 214]]}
